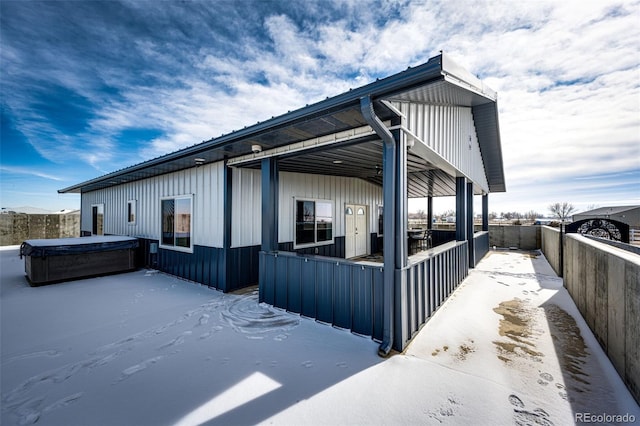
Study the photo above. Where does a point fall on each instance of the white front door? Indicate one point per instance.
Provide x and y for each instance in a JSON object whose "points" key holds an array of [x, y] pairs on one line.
{"points": [[355, 230]]}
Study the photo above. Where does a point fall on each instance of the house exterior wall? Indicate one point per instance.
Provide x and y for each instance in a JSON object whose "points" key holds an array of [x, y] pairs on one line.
{"points": [[205, 183], [246, 220], [340, 190], [450, 132]]}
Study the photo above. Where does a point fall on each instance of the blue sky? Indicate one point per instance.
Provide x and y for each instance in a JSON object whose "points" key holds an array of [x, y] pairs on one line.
{"points": [[89, 87]]}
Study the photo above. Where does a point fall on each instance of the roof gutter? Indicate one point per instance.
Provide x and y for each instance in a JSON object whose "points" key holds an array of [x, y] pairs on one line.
{"points": [[389, 190]]}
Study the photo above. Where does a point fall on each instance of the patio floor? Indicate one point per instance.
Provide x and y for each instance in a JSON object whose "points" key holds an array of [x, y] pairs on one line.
{"points": [[144, 348]]}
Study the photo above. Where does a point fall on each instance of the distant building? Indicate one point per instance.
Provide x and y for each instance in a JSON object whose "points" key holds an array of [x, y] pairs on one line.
{"points": [[625, 214]]}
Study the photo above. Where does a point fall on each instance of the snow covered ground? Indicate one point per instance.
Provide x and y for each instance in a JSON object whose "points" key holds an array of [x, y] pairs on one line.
{"points": [[144, 348]]}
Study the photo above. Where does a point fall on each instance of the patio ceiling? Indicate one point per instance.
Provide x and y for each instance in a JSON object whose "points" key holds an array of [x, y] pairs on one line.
{"points": [[363, 159]]}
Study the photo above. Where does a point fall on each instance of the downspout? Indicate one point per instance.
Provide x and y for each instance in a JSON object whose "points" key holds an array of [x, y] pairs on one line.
{"points": [[389, 189]]}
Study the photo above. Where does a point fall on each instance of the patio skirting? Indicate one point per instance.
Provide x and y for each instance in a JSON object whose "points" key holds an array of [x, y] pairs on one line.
{"points": [[349, 294]]}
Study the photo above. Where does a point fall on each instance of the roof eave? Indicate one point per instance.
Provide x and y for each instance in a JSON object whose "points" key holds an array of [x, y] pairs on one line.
{"points": [[438, 68]]}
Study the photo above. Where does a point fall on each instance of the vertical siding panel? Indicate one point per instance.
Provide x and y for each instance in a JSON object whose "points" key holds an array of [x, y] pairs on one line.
{"points": [[362, 305], [342, 297], [294, 287], [378, 303], [446, 130], [324, 291], [281, 282], [309, 282]]}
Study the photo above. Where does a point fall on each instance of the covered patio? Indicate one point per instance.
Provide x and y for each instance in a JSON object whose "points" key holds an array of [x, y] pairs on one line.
{"points": [[430, 131], [293, 201]]}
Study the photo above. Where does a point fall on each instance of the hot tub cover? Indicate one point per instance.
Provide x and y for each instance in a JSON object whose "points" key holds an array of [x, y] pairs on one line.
{"points": [[64, 246]]}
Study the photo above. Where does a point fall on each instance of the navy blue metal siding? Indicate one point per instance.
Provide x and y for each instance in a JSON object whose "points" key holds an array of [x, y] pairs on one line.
{"points": [[428, 283], [308, 278], [324, 291], [267, 282], [331, 290], [378, 302], [362, 311], [192, 265], [294, 289], [280, 285], [481, 245], [349, 295], [328, 250], [342, 296], [206, 265]]}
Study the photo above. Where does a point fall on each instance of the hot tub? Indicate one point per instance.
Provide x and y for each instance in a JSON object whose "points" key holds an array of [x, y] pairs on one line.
{"points": [[55, 260]]}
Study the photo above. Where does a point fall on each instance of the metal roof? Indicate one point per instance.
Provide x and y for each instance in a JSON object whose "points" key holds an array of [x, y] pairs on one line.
{"points": [[438, 81], [607, 211]]}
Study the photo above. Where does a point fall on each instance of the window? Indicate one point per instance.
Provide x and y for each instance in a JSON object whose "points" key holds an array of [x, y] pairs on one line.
{"points": [[97, 219], [314, 222], [176, 222], [131, 212], [380, 220]]}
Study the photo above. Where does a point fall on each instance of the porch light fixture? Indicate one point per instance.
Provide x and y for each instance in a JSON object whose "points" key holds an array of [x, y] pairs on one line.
{"points": [[256, 149], [337, 161], [199, 161]]}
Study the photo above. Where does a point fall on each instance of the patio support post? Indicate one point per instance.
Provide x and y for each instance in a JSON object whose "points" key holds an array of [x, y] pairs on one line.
{"points": [[485, 212], [224, 272], [401, 203], [269, 204], [389, 152], [429, 212], [461, 208], [470, 227], [401, 333]]}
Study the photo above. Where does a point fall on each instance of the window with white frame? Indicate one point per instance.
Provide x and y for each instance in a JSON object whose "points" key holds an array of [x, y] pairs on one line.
{"points": [[314, 222], [176, 214], [131, 212]]}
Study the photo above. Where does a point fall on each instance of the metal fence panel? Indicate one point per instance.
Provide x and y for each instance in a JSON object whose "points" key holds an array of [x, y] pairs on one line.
{"points": [[342, 296], [308, 278], [324, 291]]}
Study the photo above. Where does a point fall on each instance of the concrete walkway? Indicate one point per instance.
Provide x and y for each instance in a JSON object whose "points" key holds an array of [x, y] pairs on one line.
{"points": [[508, 347]]}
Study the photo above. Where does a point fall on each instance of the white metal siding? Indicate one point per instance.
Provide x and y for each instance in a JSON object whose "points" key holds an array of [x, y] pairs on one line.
{"points": [[447, 129], [204, 182], [340, 190], [246, 217], [247, 202]]}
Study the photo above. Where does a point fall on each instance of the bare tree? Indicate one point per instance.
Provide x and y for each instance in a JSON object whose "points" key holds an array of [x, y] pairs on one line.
{"points": [[532, 215], [561, 210]]}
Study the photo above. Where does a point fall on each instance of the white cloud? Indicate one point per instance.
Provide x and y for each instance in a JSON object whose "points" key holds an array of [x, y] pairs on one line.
{"points": [[569, 102], [26, 171], [566, 73]]}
